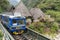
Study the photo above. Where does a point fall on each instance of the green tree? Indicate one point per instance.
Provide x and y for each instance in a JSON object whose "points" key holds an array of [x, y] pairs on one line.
{"points": [[4, 5], [43, 4], [54, 27], [49, 4], [31, 3], [54, 14]]}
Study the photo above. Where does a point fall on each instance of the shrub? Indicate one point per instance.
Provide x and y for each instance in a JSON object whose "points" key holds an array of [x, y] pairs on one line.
{"points": [[47, 27], [1, 34], [54, 27], [38, 26], [54, 14]]}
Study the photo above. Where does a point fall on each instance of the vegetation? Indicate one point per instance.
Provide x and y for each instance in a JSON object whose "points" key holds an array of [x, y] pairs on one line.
{"points": [[43, 4], [1, 35], [49, 7], [4, 5], [54, 14], [45, 27], [49, 4], [31, 3]]}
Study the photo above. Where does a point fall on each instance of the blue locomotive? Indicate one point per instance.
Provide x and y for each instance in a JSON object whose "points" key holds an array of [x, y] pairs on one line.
{"points": [[15, 24]]}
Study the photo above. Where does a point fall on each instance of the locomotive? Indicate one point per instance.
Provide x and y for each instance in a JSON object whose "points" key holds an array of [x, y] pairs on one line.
{"points": [[15, 24]]}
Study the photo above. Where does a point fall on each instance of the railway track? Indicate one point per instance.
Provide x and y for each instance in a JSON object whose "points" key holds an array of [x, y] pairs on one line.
{"points": [[29, 35], [19, 37], [25, 36]]}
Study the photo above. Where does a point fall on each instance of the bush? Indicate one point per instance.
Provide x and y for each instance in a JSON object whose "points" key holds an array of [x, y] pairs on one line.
{"points": [[54, 27], [31, 26], [1, 35], [39, 26], [4, 6], [45, 27], [54, 14]]}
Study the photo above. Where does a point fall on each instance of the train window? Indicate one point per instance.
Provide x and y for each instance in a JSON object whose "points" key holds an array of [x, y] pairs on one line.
{"points": [[20, 21], [6, 19], [15, 22]]}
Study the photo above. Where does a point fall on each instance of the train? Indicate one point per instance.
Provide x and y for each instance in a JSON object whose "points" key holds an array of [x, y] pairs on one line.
{"points": [[15, 24]]}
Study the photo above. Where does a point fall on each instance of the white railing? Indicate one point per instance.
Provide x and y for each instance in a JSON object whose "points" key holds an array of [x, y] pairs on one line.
{"points": [[7, 35]]}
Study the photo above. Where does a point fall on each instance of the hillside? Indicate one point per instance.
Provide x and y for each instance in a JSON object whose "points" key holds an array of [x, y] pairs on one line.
{"points": [[50, 24], [49, 7], [45, 12], [4, 6]]}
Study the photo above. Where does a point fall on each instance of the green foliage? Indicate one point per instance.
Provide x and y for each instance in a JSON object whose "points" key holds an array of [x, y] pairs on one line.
{"points": [[31, 3], [1, 34], [42, 27], [43, 4], [37, 26], [49, 7], [32, 26], [54, 14], [4, 5], [49, 4], [54, 27]]}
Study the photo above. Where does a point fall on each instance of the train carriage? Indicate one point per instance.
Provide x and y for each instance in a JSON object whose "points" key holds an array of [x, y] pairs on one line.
{"points": [[15, 24]]}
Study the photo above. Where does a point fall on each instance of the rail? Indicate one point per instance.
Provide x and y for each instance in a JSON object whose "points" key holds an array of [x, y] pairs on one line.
{"points": [[6, 32], [29, 35]]}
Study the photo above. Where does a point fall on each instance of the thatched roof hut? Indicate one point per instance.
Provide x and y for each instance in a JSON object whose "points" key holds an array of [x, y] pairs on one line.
{"points": [[36, 13], [21, 8]]}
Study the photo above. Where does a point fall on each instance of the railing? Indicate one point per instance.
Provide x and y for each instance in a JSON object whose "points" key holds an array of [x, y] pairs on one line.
{"points": [[6, 33], [26, 35], [38, 35]]}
